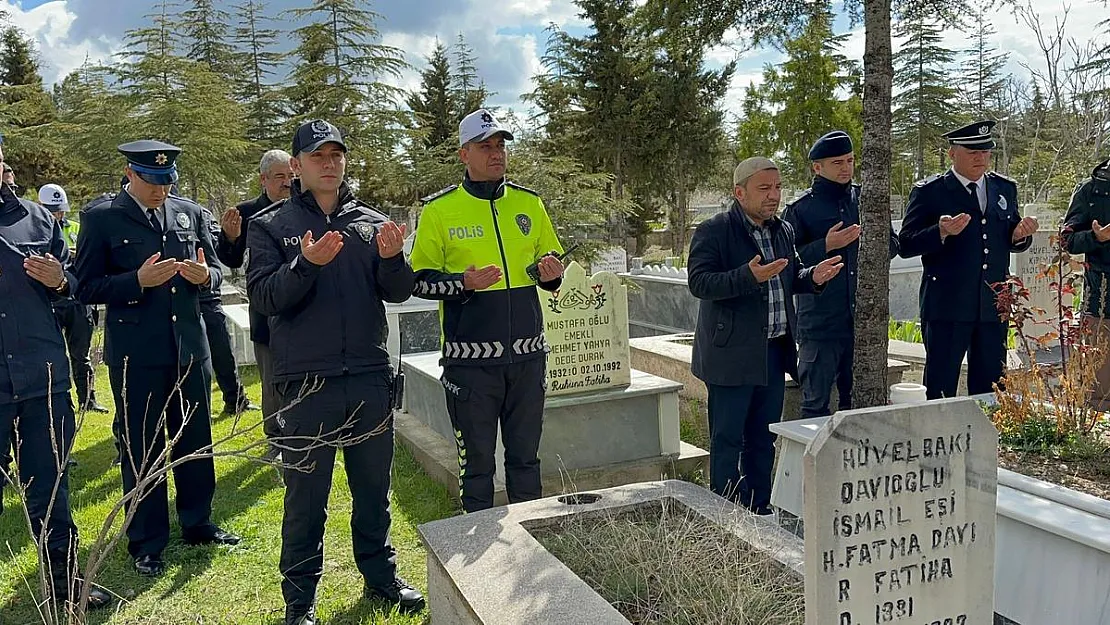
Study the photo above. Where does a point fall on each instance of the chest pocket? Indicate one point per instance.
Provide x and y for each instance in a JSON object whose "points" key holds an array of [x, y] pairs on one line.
{"points": [[128, 252], [187, 244]]}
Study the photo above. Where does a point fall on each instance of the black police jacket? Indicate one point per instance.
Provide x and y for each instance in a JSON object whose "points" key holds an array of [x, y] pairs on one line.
{"points": [[1089, 203], [730, 343], [324, 320], [830, 315], [159, 326], [233, 254], [957, 273], [33, 359]]}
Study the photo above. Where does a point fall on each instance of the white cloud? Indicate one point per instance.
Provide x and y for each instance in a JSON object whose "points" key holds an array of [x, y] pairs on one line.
{"points": [[49, 26]]}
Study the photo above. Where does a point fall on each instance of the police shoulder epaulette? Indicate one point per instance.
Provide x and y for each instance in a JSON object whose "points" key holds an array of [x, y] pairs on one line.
{"points": [[374, 211], [438, 194], [994, 174], [801, 197], [926, 181], [103, 198], [520, 188], [269, 211]]}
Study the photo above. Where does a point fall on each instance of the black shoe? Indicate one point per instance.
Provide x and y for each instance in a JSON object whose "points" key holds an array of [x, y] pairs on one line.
{"points": [[762, 511], [298, 616], [214, 536], [70, 462], [150, 565], [95, 406], [98, 599], [407, 599]]}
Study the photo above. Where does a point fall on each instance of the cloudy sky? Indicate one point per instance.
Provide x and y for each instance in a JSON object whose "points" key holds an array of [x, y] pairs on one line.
{"points": [[507, 36]]}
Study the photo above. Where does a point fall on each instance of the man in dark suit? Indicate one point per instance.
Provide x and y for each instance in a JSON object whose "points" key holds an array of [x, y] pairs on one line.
{"points": [[275, 176], [143, 255], [964, 224], [745, 270], [826, 222]]}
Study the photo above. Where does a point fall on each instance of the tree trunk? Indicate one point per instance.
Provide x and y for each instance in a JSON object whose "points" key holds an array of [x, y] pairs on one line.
{"points": [[872, 304]]}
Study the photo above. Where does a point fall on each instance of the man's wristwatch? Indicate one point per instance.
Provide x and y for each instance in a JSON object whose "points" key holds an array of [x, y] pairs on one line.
{"points": [[61, 288]]}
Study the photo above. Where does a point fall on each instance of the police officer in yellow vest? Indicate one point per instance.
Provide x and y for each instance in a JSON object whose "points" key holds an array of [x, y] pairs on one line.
{"points": [[474, 244], [75, 318]]}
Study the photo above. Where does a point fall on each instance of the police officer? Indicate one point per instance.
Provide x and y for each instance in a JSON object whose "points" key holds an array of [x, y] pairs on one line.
{"points": [[321, 265], [143, 255], [964, 224], [219, 341], [1086, 231], [275, 177], [75, 318], [34, 380], [826, 223], [472, 249]]}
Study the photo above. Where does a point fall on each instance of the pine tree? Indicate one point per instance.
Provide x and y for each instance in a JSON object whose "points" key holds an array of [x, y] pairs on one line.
{"points": [[926, 107], [982, 78], [257, 90], [434, 104], [205, 34], [467, 89]]}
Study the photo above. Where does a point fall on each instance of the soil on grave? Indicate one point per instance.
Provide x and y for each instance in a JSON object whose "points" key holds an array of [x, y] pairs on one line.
{"points": [[1088, 475], [665, 564]]}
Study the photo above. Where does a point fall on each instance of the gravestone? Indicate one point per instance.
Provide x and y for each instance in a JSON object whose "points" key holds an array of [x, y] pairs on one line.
{"points": [[1030, 266], [900, 516], [613, 259], [586, 324]]}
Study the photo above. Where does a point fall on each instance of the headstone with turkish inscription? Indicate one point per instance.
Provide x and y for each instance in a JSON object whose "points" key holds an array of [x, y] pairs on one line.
{"points": [[586, 325], [614, 259], [1030, 267], [900, 515]]}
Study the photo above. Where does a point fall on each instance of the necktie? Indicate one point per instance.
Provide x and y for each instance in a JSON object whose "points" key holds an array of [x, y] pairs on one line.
{"points": [[971, 186], [154, 221]]}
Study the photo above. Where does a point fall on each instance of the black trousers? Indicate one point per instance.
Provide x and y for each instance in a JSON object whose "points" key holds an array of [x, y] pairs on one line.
{"points": [[738, 434], [148, 408], [271, 401], [223, 358], [821, 365], [946, 343], [478, 399], [77, 326], [363, 399], [29, 423]]}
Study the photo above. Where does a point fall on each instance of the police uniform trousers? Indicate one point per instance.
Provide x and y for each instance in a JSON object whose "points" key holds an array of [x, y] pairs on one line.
{"points": [[362, 399], [271, 401], [28, 425], [223, 358], [822, 365], [478, 399], [77, 325], [947, 342], [148, 409], [741, 447]]}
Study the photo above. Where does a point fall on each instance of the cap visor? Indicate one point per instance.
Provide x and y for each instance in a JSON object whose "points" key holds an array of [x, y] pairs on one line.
{"points": [[312, 147], [983, 145], [159, 179], [489, 133]]}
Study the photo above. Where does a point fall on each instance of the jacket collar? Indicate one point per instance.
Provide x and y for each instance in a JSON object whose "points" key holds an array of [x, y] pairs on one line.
{"points": [[740, 216], [305, 199], [828, 188], [484, 190]]}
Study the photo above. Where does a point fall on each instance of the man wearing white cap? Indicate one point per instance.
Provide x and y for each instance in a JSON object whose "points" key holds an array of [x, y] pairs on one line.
{"points": [[745, 270], [474, 251], [75, 318]]}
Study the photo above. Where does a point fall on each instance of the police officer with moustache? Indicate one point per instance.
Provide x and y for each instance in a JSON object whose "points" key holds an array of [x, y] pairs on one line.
{"points": [[321, 266], [143, 255], [964, 224], [473, 247], [826, 223], [275, 177], [75, 318], [35, 406]]}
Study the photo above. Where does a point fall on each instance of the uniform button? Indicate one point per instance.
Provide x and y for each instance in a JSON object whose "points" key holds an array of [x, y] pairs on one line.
{"points": [[934, 278], [9, 356], [173, 289], [720, 326], [984, 265], [3, 315], [984, 221], [986, 251], [163, 238], [984, 237], [174, 317], [125, 241], [15, 396]]}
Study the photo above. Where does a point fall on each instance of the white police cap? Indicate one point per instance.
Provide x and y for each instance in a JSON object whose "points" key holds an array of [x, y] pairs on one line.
{"points": [[53, 196], [479, 126]]}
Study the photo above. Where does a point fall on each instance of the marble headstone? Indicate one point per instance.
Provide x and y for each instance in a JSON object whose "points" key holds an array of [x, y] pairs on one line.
{"points": [[1030, 268], [613, 259], [586, 325], [900, 515]]}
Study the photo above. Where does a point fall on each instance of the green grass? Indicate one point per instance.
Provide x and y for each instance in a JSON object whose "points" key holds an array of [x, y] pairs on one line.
{"points": [[239, 585]]}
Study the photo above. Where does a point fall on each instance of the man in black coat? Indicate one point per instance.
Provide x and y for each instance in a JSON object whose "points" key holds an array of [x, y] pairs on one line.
{"points": [[275, 177], [826, 222], [143, 255], [745, 270], [964, 224]]}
